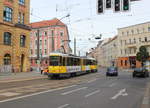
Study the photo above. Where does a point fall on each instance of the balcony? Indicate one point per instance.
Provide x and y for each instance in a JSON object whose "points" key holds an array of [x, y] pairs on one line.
{"points": [[131, 45], [144, 43]]}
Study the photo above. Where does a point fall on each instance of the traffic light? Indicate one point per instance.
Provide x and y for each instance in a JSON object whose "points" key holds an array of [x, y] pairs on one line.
{"points": [[100, 7], [126, 5], [117, 5], [108, 3]]}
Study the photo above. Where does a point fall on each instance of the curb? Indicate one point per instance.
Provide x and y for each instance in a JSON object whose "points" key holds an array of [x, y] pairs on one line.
{"points": [[23, 79], [146, 99]]}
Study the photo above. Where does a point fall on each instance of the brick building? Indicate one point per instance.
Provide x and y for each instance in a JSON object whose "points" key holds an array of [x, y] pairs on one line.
{"points": [[53, 36], [14, 35]]}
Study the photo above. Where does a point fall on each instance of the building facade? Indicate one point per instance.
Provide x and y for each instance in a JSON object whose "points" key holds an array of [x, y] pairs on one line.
{"points": [[129, 41], [109, 52], [14, 35], [53, 37]]}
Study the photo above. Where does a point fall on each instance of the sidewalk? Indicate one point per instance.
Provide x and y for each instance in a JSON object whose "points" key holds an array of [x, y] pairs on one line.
{"points": [[23, 76]]}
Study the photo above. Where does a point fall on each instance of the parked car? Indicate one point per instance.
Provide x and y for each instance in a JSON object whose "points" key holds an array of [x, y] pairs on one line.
{"points": [[140, 72], [45, 71], [112, 71]]}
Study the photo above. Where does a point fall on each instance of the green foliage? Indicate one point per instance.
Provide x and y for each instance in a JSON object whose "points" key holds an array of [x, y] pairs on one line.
{"points": [[142, 55]]}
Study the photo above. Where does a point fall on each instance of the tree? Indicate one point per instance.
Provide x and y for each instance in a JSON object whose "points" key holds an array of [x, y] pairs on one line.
{"points": [[142, 55]]}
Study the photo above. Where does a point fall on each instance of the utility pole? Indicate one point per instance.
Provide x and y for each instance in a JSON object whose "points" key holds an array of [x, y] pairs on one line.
{"points": [[38, 46], [38, 49], [53, 31], [75, 46]]}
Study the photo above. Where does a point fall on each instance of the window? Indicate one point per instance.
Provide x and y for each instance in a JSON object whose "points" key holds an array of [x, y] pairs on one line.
{"points": [[40, 51], [19, 17], [61, 33], [22, 18], [7, 59], [22, 2], [125, 62], [149, 29], [45, 33], [130, 41], [7, 38], [134, 40], [139, 39], [122, 33], [137, 31], [52, 32], [127, 33], [36, 51], [22, 40], [7, 14], [40, 42], [45, 42], [125, 51], [121, 62], [45, 51], [134, 50], [31, 51], [145, 39], [132, 31]]}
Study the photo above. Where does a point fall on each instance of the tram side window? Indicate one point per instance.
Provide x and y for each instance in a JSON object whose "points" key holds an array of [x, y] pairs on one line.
{"points": [[64, 61], [69, 61], [60, 61]]}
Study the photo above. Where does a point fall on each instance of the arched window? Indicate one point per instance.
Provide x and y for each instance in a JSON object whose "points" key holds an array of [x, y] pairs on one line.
{"points": [[7, 38], [7, 59]]}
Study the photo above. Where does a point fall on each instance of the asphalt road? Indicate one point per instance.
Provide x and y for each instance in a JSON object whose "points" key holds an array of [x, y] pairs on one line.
{"points": [[100, 92]]}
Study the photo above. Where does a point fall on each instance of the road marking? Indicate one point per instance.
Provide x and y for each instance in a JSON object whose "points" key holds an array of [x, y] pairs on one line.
{"points": [[90, 94], [120, 93], [63, 106], [113, 84], [9, 94], [25, 96], [65, 93], [91, 81]]}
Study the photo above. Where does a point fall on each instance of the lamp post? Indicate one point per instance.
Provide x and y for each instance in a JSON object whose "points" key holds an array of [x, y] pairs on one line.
{"points": [[53, 32]]}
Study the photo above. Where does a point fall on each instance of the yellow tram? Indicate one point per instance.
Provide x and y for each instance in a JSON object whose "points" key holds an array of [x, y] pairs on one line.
{"points": [[64, 65]]}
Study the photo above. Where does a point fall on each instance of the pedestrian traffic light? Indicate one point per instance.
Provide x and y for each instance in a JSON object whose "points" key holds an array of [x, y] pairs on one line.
{"points": [[117, 5], [126, 5], [108, 3], [100, 7]]}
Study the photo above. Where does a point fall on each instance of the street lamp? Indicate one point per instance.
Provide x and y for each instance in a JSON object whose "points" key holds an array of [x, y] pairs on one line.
{"points": [[53, 44]]}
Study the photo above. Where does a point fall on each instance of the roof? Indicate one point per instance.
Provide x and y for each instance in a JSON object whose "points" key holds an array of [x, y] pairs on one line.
{"points": [[45, 23], [135, 25]]}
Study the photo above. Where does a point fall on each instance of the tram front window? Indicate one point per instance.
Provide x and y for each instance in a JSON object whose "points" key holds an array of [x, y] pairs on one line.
{"points": [[54, 60]]}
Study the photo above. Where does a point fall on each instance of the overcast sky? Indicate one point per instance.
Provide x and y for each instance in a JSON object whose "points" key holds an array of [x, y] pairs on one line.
{"points": [[84, 23]]}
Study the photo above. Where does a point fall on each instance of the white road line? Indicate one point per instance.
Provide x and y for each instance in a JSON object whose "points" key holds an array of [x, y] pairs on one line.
{"points": [[90, 94], [25, 96], [91, 81], [120, 93], [65, 93], [63, 106], [113, 84]]}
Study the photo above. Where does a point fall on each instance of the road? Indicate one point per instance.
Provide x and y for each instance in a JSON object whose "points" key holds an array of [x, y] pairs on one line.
{"points": [[88, 91]]}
